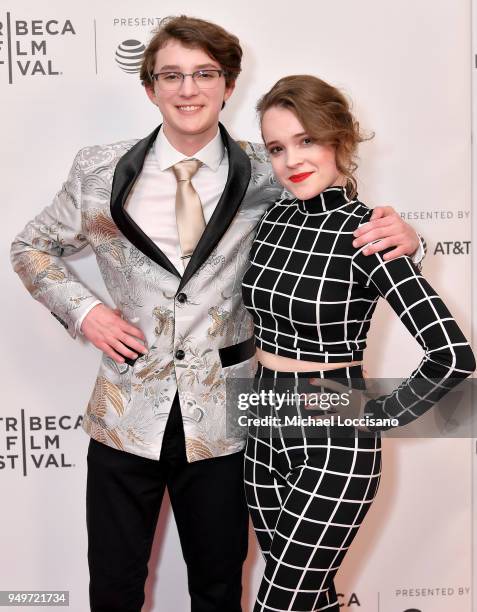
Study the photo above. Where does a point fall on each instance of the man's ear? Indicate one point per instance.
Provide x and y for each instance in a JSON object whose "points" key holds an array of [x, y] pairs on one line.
{"points": [[228, 92], [151, 94]]}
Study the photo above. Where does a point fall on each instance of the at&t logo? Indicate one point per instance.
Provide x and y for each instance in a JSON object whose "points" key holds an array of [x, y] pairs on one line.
{"points": [[129, 55]]}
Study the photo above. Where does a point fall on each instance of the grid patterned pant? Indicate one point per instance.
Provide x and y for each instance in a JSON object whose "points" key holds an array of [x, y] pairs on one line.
{"points": [[307, 495]]}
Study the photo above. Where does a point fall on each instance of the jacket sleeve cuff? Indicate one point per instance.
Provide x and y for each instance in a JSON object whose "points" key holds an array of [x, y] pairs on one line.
{"points": [[79, 321], [419, 253], [71, 318]]}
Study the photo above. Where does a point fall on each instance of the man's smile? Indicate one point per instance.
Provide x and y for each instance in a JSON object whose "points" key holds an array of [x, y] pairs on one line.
{"points": [[189, 108]]}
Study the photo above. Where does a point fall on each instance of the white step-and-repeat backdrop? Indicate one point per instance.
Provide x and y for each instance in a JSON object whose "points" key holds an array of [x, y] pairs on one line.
{"points": [[406, 66]]}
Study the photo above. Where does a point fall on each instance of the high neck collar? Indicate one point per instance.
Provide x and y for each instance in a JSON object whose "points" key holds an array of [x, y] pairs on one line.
{"points": [[329, 199]]}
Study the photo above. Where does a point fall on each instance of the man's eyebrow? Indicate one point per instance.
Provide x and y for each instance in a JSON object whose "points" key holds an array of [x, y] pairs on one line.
{"points": [[208, 65], [176, 68]]}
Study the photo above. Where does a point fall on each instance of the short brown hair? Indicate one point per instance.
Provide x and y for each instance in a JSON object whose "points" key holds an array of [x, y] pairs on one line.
{"points": [[325, 113], [219, 44]]}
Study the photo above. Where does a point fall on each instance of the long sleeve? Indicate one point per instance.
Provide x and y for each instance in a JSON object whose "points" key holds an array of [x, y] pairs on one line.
{"points": [[38, 250], [448, 357]]}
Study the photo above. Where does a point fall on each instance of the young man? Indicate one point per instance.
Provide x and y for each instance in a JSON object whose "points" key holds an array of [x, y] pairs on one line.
{"points": [[170, 218]]}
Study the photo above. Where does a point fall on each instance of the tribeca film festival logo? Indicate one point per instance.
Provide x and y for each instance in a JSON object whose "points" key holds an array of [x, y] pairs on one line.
{"points": [[348, 601], [29, 442], [24, 45], [129, 52]]}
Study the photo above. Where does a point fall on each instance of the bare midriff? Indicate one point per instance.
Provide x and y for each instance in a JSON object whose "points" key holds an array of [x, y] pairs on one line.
{"points": [[286, 364]]}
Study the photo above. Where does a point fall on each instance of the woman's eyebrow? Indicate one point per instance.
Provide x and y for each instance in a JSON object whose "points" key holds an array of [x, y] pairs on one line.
{"points": [[299, 135]]}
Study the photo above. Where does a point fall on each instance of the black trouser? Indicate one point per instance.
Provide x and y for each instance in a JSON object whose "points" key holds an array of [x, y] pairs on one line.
{"points": [[123, 499]]}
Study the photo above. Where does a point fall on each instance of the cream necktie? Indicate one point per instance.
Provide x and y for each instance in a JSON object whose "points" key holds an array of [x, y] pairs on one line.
{"points": [[189, 213]]}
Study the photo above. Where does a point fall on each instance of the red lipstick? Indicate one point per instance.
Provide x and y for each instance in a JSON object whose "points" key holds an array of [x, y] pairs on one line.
{"points": [[297, 178]]}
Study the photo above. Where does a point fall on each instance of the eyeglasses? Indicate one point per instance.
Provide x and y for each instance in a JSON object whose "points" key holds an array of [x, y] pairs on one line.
{"points": [[172, 81]]}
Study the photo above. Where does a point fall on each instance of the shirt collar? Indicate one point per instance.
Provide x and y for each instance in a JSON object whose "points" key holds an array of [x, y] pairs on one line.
{"points": [[211, 155]]}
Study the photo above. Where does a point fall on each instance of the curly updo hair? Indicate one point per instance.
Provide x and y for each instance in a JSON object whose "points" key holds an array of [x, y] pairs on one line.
{"points": [[324, 112]]}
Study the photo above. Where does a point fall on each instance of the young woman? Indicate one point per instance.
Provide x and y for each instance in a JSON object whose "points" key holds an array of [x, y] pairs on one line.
{"points": [[312, 295]]}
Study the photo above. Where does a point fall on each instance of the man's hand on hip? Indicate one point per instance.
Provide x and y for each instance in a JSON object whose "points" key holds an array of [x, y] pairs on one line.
{"points": [[111, 334]]}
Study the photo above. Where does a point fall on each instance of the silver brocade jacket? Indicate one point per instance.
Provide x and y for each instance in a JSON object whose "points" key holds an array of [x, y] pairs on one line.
{"points": [[197, 329]]}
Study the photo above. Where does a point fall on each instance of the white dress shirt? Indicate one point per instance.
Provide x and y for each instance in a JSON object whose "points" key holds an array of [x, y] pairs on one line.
{"points": [[151, 203]]}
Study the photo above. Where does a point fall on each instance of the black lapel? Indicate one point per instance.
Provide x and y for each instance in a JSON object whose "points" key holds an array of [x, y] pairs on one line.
{"points": [[127, 170], [237, 182]]}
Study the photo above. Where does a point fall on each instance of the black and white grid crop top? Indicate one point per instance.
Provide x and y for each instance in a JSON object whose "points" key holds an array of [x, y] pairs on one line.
{"points": [[312, 294]]}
